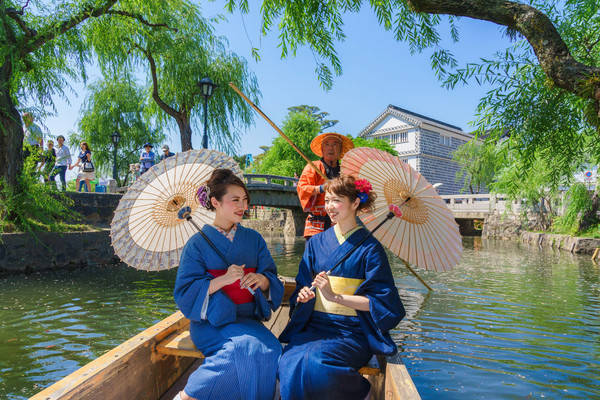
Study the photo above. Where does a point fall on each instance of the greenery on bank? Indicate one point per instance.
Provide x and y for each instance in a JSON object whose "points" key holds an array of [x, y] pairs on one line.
{"points": [[36, 206]]}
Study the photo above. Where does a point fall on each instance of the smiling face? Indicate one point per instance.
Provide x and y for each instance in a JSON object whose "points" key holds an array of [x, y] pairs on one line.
{"points": [[331, 148], [340, 208], [232, 205]]}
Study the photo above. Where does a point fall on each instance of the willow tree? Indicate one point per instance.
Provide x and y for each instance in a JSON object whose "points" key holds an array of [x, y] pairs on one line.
{"points": [[175, 60], [111, 105], [43, 45]]}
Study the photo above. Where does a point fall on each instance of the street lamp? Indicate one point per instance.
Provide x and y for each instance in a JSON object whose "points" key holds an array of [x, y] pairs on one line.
{"points": [[115, 139], [206, 88]]}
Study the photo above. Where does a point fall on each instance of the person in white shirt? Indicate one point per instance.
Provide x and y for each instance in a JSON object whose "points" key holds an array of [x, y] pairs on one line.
{"points": [[63, 161]]}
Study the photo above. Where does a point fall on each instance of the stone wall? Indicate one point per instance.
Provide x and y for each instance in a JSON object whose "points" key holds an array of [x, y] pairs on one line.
{"points": [[565, 242], [276, 221], [96, 208], [510, 226], [21, 252]]}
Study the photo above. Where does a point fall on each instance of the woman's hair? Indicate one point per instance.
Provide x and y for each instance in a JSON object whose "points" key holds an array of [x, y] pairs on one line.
{"points": [[218, 183], [344, 186], [50, 142], [87, 146]]}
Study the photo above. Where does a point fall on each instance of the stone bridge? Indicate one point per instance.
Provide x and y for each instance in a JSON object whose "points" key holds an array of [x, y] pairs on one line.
{"points": [[280, 192]]}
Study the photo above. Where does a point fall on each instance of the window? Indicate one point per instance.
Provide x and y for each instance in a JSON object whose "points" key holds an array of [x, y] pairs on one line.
{"points": [[398, 138], [445, 140]]}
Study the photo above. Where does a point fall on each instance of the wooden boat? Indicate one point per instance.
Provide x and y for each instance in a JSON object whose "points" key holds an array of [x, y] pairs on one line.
{"points": [[155, 364]]}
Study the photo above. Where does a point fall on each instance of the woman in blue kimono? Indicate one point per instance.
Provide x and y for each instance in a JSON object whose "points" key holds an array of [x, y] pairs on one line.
{"points": [[241, 354], [335, 331]]}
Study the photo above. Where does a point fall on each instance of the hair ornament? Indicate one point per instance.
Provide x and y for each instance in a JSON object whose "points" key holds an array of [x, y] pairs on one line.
{"points": [[203, 195], [363, 187]]}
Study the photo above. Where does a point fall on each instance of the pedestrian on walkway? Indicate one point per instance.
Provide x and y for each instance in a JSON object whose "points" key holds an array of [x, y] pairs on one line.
{"points": [[63, 161], [147, 158], [166, 153], [86, 167]]}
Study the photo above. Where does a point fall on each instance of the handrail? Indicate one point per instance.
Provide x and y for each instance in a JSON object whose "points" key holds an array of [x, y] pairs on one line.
{"points": [[268, 179]]}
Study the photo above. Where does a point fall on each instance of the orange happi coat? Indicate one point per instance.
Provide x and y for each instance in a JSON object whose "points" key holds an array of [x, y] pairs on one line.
{"points": [[311, 200]]}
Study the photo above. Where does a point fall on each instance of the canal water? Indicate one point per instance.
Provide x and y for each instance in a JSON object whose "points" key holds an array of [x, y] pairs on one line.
{"points": [[510, 321]]}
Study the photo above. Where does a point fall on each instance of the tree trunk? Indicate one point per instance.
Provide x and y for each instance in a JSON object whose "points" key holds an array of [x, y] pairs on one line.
{"points": [[185, 132], [11, 131]]}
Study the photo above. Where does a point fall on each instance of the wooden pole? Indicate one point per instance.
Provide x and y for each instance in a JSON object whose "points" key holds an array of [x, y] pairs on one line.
{"points": [[258, 110], [407, 265], [595, 254]]}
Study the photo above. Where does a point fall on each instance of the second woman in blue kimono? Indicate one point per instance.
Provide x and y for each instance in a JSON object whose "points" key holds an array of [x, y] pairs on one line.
{"points": [[226, 318], [335, 332]]}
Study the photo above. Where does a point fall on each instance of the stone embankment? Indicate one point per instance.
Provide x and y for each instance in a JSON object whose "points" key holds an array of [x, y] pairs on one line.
{"points": [[517, 227], [24, 253], [577, 245]]}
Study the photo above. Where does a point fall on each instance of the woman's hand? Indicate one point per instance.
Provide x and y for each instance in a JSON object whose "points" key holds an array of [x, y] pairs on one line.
{"points": [[322, 282], [305, 295], [234, 272], [254, 281]]}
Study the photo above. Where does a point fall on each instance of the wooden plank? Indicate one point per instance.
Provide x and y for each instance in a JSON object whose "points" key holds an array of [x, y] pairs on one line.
{"points": [[398, 383], [179, 344], [289, 285], [132, 368], [269, 324], [281, 321]]}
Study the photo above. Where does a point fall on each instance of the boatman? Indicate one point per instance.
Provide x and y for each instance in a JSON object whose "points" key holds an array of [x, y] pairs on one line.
{"points": [[330, 147]]}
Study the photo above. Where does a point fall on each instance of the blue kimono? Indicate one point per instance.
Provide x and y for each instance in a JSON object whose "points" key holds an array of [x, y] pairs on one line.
{"points": [[326, 350], [241, 354]]}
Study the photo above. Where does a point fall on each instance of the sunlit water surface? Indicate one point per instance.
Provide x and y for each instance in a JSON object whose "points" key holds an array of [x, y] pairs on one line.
{"points": [[510, 321]]}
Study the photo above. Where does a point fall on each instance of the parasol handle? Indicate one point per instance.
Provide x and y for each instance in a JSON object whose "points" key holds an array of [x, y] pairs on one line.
{"points": [[258, 110], [389, 216], [185, 213]]}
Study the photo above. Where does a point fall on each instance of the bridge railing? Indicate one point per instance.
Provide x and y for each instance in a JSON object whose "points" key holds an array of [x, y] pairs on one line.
{"points": [[485, 203], [271, 180]]}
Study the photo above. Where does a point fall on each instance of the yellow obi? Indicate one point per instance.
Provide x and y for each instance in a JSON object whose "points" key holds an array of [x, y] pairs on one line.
{"points": [[339, 285]]}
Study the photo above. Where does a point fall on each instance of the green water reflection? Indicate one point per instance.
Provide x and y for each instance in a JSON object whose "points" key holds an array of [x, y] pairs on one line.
{"points": [[510, 321]]}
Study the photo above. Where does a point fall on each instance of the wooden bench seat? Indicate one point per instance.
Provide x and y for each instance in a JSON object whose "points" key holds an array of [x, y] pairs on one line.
{"points": [[180, 344]]}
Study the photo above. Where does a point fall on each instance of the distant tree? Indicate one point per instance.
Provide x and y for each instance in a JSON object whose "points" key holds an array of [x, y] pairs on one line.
{"points": [[175, 60], [317, 114], [116, 105], [375, 143], [281, 158], [478, 164]]}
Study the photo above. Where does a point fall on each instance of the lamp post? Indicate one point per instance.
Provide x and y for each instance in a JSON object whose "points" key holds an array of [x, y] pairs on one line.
{"points": [[206, 88], [115, 139]]}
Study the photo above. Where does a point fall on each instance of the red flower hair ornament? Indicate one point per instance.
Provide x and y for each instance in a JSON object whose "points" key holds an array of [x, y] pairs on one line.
{"points": [[363, 187]]}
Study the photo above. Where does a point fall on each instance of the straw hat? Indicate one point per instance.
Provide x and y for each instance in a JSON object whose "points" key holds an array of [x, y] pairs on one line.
{"points": [[346, 142]]}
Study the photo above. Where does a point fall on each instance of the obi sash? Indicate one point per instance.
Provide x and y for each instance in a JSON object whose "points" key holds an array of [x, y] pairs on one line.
{"points": [[339, 285], [237, 294]]}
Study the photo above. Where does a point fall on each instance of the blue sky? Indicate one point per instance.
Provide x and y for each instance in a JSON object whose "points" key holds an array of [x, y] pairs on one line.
{"points": [[377, 71]]}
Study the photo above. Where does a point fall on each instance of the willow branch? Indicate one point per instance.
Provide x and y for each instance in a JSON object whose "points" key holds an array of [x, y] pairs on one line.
{"points": [[551, 51], [161, 103], [53, 30], [140, 18], [16, 16]]}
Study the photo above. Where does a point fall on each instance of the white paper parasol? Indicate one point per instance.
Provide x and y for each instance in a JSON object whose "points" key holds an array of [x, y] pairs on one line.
{"points": [[146, 231], [426, 234]]}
